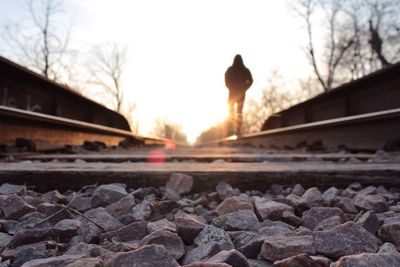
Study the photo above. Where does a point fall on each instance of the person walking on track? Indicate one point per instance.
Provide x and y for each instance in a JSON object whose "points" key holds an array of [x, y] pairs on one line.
{"points": [[238, 79]]}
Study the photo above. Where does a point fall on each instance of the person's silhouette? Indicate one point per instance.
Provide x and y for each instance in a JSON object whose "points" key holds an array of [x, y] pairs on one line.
{"points": [[238, 79]]}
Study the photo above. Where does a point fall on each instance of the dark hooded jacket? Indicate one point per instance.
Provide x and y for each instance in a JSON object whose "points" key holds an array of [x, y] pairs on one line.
{"points": [[237, 77]]}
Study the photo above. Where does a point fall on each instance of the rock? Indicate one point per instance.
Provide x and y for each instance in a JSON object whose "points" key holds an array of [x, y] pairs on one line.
{"points": [[90, 251], [213, 234], [163, 224], [329, 194], [232, 257], [299, 260], [207, 264], [24, 253], [280, 247], [202, 253], [311, 198], [102, 218], [81, 204], [388, 248], [90, 233], [54, 196], [107, 194], [369, 190], [171, 241], [269, 228], [177, 185], [321, 261], [59, 261], [290, 218], [225, 190], [88, 262], [188, 227], [4, 239], [8, 226], [317, 214], [259, 263], [235, 221], [121, 207], [13, 206], [390, 230], [369, 221], [133, 231], [370, 202], [249, 244], [345, 239], [298, 190], [47, 208], [268, 209], [232, 204], [369, 259], [345, 204], [9, 189], [152, 255], [142, 211], [329, 223]]}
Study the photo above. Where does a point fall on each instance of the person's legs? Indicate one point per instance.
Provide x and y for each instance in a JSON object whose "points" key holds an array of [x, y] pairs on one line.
{"points": [[231, 118], [239, 114]]}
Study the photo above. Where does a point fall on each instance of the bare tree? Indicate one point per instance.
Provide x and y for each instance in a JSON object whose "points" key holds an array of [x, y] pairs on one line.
{"points": [[41, 44], [106, 67], [358, 37], [164, 129]]}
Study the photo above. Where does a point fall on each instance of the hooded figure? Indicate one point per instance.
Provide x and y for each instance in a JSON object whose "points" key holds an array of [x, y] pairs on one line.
{"points": [[238, 79]]}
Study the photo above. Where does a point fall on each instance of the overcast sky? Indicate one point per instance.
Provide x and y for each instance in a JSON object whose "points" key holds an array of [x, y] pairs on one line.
{"points": [[180, 49]]}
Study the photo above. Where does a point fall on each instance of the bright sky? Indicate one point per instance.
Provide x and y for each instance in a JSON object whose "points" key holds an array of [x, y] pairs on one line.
{"points": [[179, 50]]}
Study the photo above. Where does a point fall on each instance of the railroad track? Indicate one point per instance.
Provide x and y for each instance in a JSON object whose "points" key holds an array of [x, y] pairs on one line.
{"points": [[48, 132], [365, 132]]}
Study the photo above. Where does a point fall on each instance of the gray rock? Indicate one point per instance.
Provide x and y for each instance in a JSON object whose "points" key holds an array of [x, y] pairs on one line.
{"points": [[59, 261], [345, 204], [4, 239], [370, 202], [299, 260], [152, 255], [162, 224], [369, 221], [316, 215], [81, 204], [202, 253], [388, 248], [369, 190], [259, 263], [232, 257], [102, 218], [133, 231], [171, 241], [268, 209], [390, 230], [270, 228], [329, 223], [345, 239], [235, 221], [90, 233], [249, 244], [311, 198], [329, 194], [24, 253], [214, 234], [225, 190], [298, 190], [290, 218], [177, 185], [280, 247], [188, 227], [121, 207], [9, 189], [13, 206], [54, 196], [142, 211], [87, 262], [90, 251], [232, 204], [207, 264], [369, 259], [107, 194]]}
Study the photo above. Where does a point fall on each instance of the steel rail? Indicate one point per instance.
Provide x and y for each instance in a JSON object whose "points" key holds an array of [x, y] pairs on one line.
{"points": [[48, 130], [369, 131]]}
